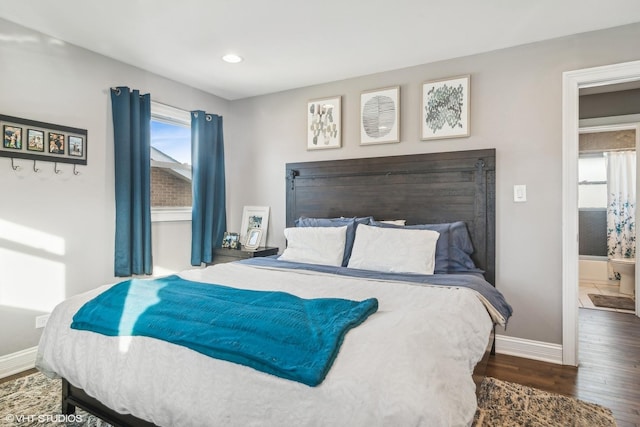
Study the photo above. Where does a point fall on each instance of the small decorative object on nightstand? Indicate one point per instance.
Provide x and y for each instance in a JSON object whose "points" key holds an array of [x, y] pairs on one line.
{"points": [[222, 255], [231, 240], [253, 239]]}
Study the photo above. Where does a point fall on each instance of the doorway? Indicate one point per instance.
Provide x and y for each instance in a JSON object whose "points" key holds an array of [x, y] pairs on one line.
{"points": [[607, 152], [573, 81]]}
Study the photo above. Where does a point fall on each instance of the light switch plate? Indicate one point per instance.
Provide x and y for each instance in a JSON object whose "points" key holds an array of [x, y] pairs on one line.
{"points": [[519, 193]]}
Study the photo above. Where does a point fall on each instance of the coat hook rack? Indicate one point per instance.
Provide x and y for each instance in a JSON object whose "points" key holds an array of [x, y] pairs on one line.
{"points": [[66, 144], [57, 171]]}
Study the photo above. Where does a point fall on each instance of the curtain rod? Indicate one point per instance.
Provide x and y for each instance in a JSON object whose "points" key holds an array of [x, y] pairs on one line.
{"points": [[605, 151], [117, 90]]}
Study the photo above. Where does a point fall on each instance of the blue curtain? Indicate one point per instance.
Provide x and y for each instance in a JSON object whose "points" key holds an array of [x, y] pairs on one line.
{"points": [[132, 140], [209, 217]]}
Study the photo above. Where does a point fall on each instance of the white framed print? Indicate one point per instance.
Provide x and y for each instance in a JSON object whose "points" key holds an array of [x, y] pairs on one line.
{"points": [[445, 108], [254, 217], [324, 123], [380, 116]]}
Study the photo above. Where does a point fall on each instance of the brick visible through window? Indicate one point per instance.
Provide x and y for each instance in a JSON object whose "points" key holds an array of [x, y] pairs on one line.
{"points": [[169, 189]]}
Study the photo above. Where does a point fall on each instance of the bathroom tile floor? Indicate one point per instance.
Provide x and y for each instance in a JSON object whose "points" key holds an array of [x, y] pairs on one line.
{"points": [[587, 287]]}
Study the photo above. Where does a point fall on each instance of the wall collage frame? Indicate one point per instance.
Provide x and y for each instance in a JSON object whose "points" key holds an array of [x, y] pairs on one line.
{"points": [[33, 140], [444, 113]]}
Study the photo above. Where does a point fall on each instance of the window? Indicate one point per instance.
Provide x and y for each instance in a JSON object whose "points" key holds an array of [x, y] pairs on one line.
{"points": [[170, 163], [592, 181]]}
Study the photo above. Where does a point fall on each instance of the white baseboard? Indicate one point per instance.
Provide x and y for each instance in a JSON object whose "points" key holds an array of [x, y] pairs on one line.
{"points": [[536, 350], [17, 362]]}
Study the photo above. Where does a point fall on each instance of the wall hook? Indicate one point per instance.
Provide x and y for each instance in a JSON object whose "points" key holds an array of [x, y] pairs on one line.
{"points": [[55, 168], [36, 170], [75, 172], [15, 167]]}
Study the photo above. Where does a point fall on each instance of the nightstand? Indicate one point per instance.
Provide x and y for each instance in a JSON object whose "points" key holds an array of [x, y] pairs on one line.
{"points": [[222, 255]]}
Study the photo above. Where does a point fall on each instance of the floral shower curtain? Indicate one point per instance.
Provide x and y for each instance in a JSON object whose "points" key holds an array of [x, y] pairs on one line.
{"points": [[621, 205]]}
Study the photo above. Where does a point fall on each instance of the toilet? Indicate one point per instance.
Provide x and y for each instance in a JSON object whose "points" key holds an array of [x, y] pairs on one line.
{"points": [[627, 269]]}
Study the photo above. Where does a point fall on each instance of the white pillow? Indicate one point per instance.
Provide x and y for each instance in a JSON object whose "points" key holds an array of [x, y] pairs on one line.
{"points": [[394, 250], [315, 245]]}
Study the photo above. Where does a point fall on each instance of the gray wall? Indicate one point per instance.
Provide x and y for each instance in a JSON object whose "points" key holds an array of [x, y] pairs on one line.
{"points": [[516, 107], [607, 104], [65, 223]]}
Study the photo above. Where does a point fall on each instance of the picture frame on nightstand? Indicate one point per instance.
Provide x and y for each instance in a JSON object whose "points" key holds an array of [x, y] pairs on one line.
{"points": [[231, 240], [254, 237], [254, 217]]}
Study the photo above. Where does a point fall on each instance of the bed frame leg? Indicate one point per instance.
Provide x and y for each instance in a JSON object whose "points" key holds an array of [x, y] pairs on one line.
{"points": [[67, 407]]}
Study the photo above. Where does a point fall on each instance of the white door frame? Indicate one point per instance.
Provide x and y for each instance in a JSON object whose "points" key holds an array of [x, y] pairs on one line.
{"points": [[572, 81]]}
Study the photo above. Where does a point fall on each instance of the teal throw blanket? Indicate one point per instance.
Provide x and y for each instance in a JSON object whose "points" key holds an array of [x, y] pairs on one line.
{"points": [[273, 332]]}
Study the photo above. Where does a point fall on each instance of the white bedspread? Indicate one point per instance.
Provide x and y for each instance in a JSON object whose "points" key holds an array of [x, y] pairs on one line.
{"points": [[409, 364]]}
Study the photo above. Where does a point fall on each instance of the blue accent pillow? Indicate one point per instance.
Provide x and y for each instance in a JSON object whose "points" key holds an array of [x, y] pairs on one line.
{"points": [[460, 249], [351, 224], [453, 248]]}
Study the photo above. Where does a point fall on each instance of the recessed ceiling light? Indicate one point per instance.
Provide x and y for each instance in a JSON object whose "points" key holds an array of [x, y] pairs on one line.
{"points": [[232, 58]]}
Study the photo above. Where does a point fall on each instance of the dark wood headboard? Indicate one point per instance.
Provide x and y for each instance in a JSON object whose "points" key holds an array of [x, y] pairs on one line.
{"points": [[422, 189]]}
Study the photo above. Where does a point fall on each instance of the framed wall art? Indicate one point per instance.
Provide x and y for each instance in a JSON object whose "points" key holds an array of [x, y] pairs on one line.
{"points": [[254, 217], [12, 137], [76, 146], [380, 116], [324, 123], [57, 143], [445, 108], [35, 140], [32, 140]]}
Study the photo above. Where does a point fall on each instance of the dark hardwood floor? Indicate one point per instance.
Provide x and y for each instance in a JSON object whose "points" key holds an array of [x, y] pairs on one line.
{"points": [[18, 375], [608, 371]]}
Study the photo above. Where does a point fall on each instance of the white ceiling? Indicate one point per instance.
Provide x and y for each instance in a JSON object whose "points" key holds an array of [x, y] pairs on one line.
{"points": [[296, 43]]}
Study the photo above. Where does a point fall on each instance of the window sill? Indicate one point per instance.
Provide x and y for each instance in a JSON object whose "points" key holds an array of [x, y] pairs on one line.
{"points": [[170, 214]]}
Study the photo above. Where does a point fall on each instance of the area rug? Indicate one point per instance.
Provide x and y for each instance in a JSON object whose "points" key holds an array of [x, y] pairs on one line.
{"points": [[34, 400], [508, 404], [609, 301]]}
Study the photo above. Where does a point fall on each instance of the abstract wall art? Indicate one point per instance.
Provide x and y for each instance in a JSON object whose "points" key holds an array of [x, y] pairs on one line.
{"points": [[380, 116], [324, 123], [445, 108]]}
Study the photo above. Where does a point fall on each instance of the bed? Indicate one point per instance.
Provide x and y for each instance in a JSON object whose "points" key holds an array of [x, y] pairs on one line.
{"points": [[400, 366]]}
